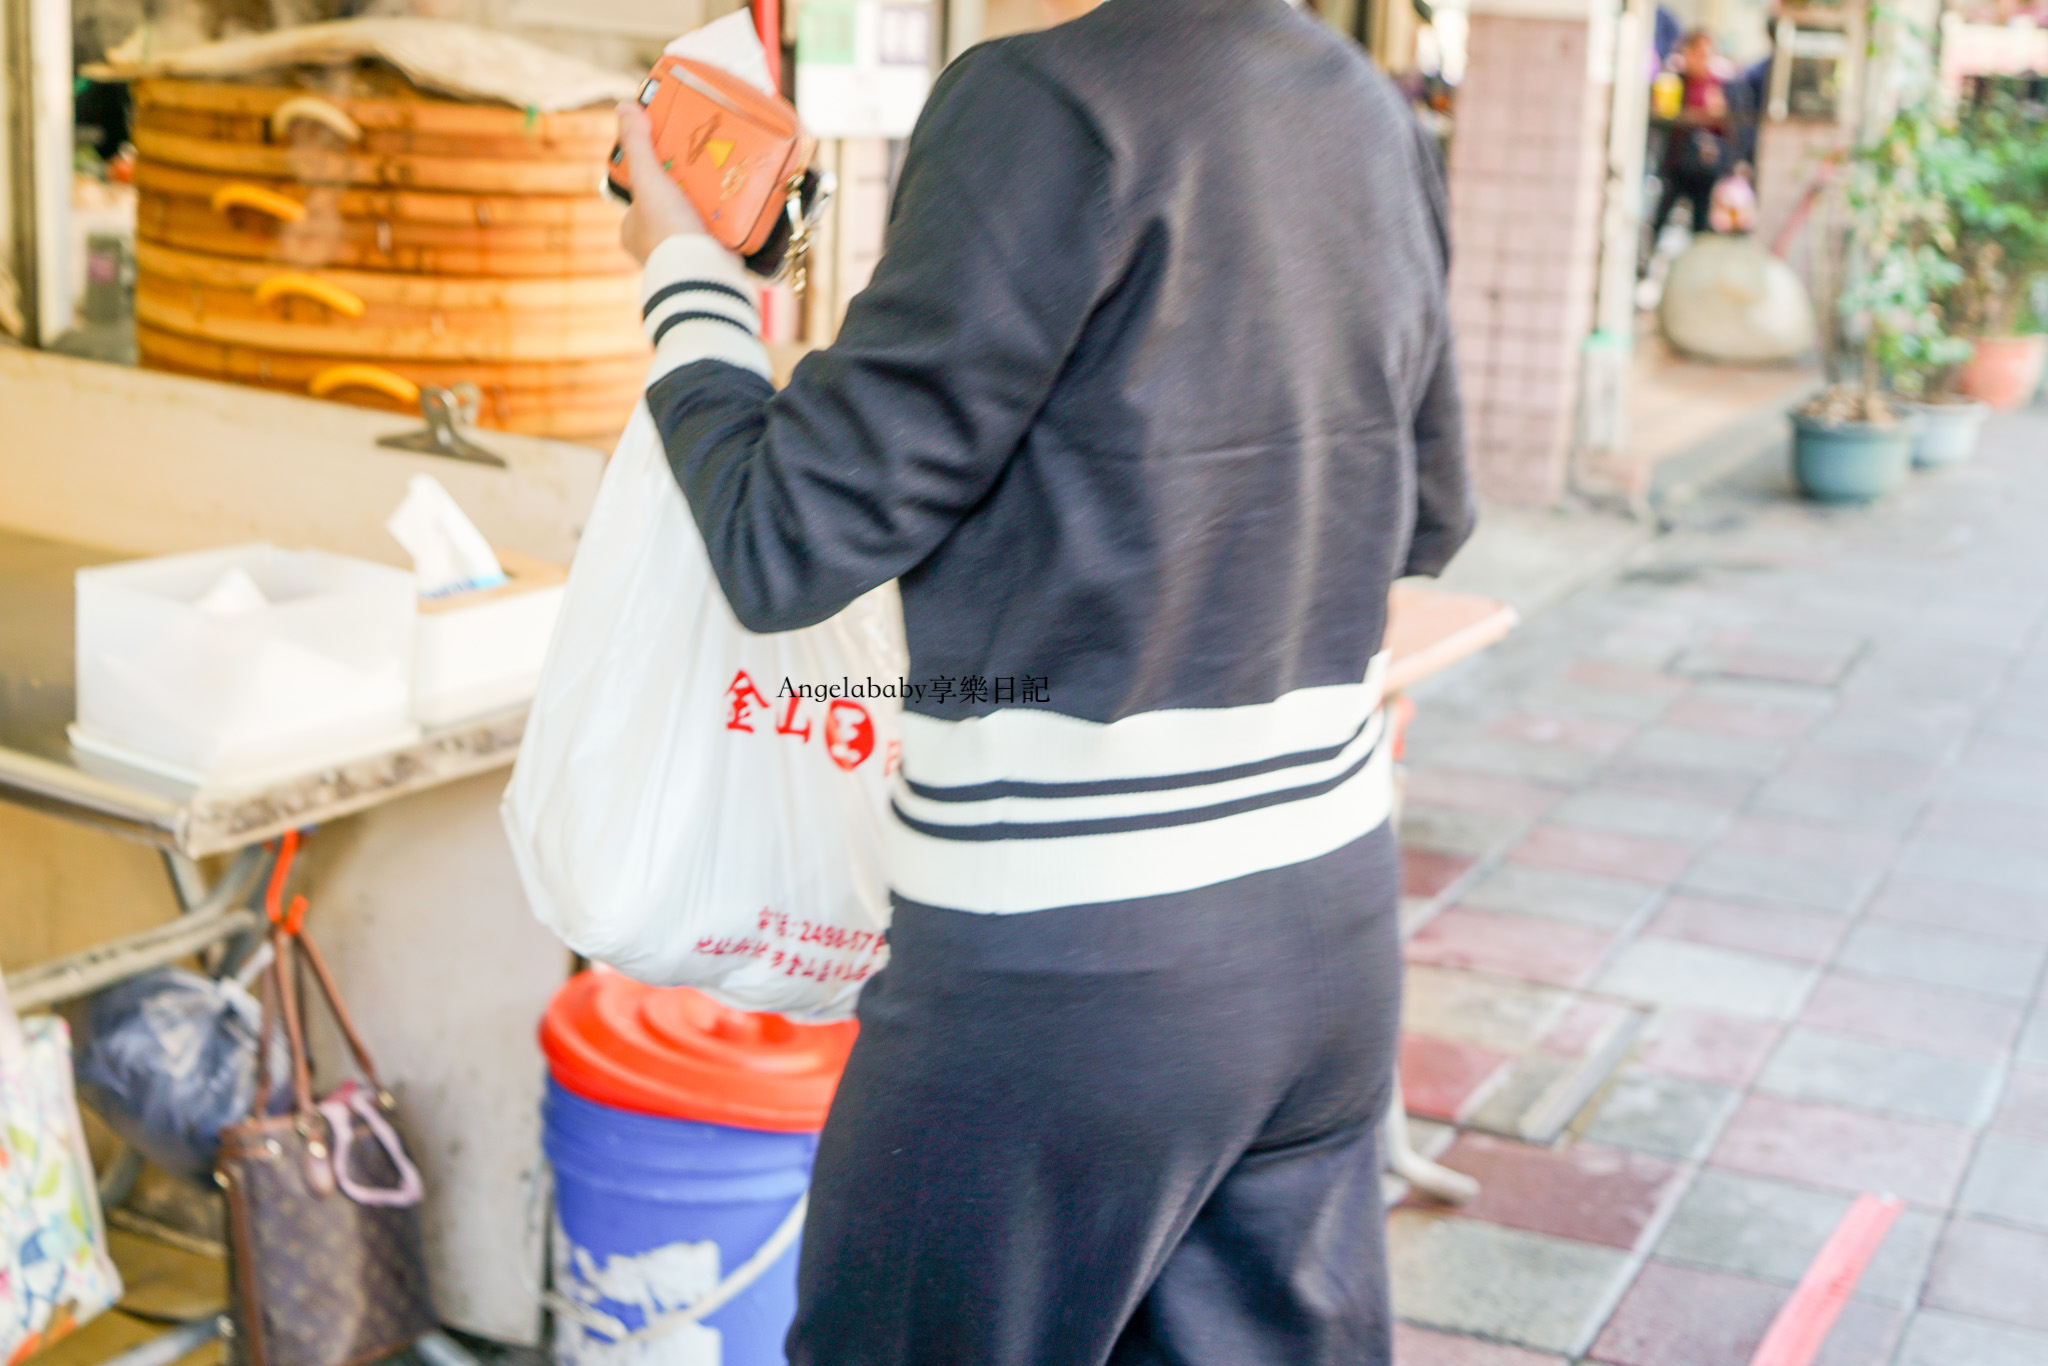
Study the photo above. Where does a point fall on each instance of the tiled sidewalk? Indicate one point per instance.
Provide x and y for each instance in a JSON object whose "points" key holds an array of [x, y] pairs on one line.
{"points": [[1785, 780]]}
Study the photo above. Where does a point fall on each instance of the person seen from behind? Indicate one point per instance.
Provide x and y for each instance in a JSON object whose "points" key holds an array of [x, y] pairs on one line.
{"points": [[1150, 399]]}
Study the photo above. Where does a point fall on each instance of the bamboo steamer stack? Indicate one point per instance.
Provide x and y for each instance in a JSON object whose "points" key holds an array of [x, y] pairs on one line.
{"points": [[342, 234]]}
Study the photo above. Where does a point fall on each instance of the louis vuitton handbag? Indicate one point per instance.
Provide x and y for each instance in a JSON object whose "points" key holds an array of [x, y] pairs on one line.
{"points": [[326, 1266]]}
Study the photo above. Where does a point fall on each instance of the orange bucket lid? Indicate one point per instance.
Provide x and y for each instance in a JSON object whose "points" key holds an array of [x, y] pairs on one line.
{"points": [[675, 1052]]}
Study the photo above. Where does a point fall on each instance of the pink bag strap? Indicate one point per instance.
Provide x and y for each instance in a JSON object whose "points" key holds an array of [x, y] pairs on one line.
{"points": [[353, 1099]]}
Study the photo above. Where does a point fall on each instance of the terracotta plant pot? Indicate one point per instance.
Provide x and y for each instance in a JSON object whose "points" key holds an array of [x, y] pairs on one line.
{"points": [[2005, 372], [1849, 462], [1948, 431]]}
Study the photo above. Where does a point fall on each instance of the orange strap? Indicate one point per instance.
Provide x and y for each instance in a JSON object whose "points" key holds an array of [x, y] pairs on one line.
{"points": [[288, 918]]}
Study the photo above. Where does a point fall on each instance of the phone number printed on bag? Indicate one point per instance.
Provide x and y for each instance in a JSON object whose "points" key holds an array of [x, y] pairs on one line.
{"points": [[775, 928]]}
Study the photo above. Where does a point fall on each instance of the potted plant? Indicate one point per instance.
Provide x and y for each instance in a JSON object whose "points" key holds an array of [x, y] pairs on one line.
{"points": [[1999, 199], [1854, 442], [1926, 363]]}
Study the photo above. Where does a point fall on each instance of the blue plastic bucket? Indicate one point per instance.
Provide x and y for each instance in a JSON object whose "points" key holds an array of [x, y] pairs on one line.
{"points": [[651, 1212]]}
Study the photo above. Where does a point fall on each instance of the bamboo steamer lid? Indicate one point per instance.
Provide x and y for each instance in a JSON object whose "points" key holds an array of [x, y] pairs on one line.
{"points": [[297, 371], [338, 232], [376, 99], [376, 117], [302, 323], [315, 165], [384, 293], [589, 214], [404, 138], [579, 401], [388, 245]]}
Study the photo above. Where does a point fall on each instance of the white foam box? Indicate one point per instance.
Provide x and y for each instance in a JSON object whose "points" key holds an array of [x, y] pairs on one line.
{"points": [[319, 674], [481, 651]]}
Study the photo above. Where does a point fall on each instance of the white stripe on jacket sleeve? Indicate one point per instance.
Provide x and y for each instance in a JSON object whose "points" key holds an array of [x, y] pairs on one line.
{"points": [[699, 303]]}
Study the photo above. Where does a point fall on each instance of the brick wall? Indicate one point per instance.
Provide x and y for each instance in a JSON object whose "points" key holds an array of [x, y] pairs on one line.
{"points": [[1527, 167]]}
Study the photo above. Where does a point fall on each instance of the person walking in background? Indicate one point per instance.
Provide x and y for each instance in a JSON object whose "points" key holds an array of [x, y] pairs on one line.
{"points": [[1666, 32], [1149, 401], [1696, 146]]}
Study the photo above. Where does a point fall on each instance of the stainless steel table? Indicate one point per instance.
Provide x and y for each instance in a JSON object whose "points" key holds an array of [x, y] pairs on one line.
{"points": [[40, 770]]}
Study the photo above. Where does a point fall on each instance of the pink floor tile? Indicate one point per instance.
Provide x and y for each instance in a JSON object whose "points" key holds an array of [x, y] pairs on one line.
{"points": [[1527, 947], [1573, 732], [1701, 1046], [1676, 1316], [1627, 680], [1427, 872], [1847, 1150], [1600, 851], [1442, 1080], [1848, 847], [2023, 1112], [1679, 1316], [2009, 827], [1778, 667], [1992, 1272], [1805, 936], [1584, 1024], [1592, 1194], [1703, 786], [1487, 792], [1972, 910], [1745, 720], [2007, 754], [1877, 770], [1426, 1347], [1966, 1025]]}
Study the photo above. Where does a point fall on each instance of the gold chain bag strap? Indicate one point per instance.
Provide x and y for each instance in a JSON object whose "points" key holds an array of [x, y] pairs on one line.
{"points": [[326, 1264]]}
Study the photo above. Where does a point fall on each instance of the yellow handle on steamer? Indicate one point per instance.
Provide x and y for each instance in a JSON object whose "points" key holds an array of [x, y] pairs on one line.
{"points": [[313, 109], [375, 377], [293, 285], [280, 207]]}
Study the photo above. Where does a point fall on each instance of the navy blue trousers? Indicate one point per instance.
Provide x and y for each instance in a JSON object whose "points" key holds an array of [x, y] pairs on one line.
{"points": [[1129, 1134]]}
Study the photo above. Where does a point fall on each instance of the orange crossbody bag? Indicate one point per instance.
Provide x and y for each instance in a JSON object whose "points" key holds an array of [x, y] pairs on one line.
{"points": [[739, 154]]}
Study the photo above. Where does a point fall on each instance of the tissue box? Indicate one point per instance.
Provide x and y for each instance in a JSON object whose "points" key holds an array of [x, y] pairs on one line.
{"points": [[319, 673], [481, 652]]}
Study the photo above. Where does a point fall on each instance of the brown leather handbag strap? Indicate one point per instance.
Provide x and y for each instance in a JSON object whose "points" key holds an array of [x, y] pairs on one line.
{"points": [[339, 1011], [285, 967]]}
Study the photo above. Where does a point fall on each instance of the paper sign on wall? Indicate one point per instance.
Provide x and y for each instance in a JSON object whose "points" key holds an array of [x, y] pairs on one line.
{"points": [[863, 67]]}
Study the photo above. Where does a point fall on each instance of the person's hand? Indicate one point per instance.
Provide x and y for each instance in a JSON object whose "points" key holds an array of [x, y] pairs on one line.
{"points": [[659, 210]]}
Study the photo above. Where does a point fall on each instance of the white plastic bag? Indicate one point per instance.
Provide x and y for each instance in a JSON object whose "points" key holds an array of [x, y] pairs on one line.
{"points": [[680, 810], [55, 1273]]}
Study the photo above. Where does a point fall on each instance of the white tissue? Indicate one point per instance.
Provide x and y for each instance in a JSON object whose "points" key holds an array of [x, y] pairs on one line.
{"points": [[232, 595], [731, 44], [449, 555]]}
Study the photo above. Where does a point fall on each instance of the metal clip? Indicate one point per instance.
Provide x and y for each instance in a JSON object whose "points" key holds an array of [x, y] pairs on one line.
{"points": [[447, 411], [802, 222]]}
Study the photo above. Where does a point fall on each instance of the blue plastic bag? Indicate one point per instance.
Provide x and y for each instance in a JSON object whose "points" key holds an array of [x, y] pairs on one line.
{"points": [[168, 1059]]}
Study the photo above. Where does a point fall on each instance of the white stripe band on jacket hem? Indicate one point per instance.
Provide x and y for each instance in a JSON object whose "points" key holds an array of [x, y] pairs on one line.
{"points": [[1044, 810], [1007, 877], [1023, 745], [1033, 810]]}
